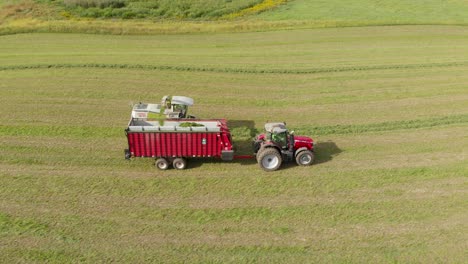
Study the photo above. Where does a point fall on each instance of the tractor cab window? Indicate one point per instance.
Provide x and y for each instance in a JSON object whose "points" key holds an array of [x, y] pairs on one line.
{"points": [[181, 109], [280, 138]]}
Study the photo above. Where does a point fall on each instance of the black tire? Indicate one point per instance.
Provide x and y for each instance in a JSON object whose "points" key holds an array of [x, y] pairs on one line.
{"points": [[258, 154], [260, 150], [162, 164], [269, 159], [179, 163], [305, 158], [256, 145]]}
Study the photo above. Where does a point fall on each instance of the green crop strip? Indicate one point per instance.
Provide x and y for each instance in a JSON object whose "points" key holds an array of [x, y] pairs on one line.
{"points": [[103, 132], [19, 226], [385, 126], [233, 70], [61, 131]]}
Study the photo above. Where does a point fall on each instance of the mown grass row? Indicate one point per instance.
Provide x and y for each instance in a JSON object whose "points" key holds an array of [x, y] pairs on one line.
{"points": [[105, 132], [144, 27], [14, 226], [385, 126], [233, 70], [131, 27]]}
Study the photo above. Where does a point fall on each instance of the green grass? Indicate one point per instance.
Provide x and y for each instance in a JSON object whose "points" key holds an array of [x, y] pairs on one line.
{"points": [[387, 107], [151, 17], [388, 12]]}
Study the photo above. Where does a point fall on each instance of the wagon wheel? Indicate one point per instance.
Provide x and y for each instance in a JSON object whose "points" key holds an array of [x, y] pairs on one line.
{"points": [[179, 163], [162, 164]]}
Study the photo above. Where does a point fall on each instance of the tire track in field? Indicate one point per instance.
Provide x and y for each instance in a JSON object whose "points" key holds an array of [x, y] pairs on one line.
{"points": [[233, 70], [104, 132]]}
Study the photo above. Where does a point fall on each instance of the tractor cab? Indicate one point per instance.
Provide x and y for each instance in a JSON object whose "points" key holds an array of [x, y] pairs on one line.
{"points": [[278, 134]]}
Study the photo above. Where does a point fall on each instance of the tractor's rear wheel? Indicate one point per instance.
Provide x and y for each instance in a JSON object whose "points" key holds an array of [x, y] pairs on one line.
{"points": [[305, 158], [179, 163], [162, 164], [269, 159]]}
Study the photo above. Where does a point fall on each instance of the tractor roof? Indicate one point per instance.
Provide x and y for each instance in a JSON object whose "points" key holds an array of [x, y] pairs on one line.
{"points": [[181, 100], [278, 127]]}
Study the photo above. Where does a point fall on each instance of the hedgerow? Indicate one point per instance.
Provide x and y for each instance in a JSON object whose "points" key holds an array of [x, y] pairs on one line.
{"points": [[173, 9]]}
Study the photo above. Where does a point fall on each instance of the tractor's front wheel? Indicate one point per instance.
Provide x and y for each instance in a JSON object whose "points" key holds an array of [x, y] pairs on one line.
{"points": [[305, 158], [269, 159]]}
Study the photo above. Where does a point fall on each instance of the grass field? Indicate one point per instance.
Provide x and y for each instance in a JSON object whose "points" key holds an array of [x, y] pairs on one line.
{"points": [[388, 12], [388, 107], [194, 16]]}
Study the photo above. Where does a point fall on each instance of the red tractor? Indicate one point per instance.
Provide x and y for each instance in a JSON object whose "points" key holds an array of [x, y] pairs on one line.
{"points": [[277, 144]]}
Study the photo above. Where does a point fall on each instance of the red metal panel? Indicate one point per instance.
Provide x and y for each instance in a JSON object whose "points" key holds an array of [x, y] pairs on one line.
{"points": [[203, 146], [142, 144], [179, 144], [132, 147], [130, 142], [213, 144], [184, 144], [226, 143], [147, 145], [158, 144], [141, 139], [152, 146], [167, 144], [189, 144], [153, 143], [209, 143], [170, 144], [163, 144], [194, 145], [199, 151], [219, 144], [173, 144], [136, 144], [204, 139]]}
